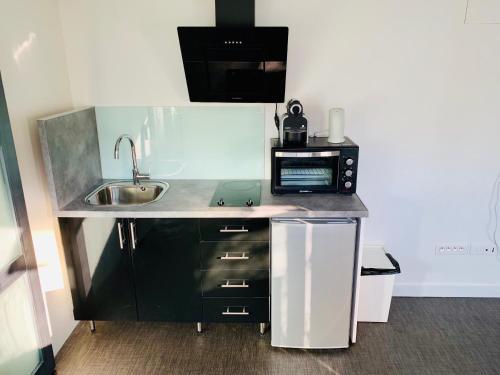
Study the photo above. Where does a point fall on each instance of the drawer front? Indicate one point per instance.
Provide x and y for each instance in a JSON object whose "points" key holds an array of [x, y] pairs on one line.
{"points": [[236, 310], [235, 283], [235, 255], [234, 229]]}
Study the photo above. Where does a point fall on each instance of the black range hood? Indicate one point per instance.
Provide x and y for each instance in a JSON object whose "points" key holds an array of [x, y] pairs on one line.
{"points": [[235, 62]]}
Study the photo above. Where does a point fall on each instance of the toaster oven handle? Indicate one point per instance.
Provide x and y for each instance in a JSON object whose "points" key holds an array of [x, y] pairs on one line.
{"points": [[314, 154]]}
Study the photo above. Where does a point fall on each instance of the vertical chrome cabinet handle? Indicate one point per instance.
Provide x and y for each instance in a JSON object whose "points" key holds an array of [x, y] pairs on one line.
{"points": [[242, 312], [228, 284], [226, 256], [132, 233], [120, 235], [226, 229]]}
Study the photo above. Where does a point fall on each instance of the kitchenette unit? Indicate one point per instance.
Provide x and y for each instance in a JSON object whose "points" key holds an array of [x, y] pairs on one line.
{"points": [[201, 250]]}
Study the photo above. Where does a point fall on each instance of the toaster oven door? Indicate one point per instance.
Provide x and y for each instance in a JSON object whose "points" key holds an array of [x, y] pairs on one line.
{"points": [[306, 171]]}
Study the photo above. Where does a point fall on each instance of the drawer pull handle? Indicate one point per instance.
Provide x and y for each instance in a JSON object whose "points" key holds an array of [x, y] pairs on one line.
{"points": [[242, 312], [229, 285], [227, 229], [243, 256]]}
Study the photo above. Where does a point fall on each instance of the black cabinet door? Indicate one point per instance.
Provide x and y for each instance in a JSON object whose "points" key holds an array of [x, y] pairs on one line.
{"points": [[167, 269], [102, 283]]}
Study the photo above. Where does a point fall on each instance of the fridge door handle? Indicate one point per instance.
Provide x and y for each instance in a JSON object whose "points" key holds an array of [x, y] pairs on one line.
{"points": [[314, 221]]}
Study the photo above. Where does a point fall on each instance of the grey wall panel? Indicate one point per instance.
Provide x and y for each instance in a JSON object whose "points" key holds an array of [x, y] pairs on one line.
{"points": [[70, 148]]}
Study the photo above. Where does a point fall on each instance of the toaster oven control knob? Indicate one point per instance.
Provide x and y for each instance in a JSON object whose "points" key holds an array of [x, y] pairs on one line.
{"points": [[348, 184], [220, 202], [348, 173], [349, 161], [249, 203]]}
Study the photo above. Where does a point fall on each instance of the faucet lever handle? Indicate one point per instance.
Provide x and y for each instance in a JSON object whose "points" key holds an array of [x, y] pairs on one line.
{"points": [[142, 176]]}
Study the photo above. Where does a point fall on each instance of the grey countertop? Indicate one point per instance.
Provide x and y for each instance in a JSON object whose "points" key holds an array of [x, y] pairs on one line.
{"points": [[191, 198]]}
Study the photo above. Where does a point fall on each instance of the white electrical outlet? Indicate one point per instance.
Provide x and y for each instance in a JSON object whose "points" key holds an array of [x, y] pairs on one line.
{"points": [[452, 249], [483, 249]]}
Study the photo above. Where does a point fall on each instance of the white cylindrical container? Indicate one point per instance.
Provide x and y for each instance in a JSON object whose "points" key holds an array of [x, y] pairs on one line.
{"points": [[336, 125]]}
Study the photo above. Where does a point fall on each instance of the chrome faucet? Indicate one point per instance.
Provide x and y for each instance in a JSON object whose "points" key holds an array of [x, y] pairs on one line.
{"points": [[136, 175]]}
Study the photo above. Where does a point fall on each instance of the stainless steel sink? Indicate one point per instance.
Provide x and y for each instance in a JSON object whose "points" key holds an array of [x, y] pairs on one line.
{"points": [[125, 193]]}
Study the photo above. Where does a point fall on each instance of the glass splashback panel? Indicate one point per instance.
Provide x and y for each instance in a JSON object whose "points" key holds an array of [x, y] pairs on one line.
{"points": [[184, 142]]}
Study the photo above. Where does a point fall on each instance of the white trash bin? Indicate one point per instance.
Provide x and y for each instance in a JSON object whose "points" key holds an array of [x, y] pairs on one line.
{"points": [[378, 272]]}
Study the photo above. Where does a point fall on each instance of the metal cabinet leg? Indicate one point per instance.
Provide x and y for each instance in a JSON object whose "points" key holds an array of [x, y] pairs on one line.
{"points": [[92, 326], [198, 327], [262, 328]]}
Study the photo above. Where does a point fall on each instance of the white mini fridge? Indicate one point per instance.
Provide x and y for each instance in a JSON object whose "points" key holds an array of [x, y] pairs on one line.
{"points": [[312, 268]]}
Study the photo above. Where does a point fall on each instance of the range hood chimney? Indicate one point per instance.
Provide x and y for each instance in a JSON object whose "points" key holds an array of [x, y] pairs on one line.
{"points": [[235, 13], [235, 61]]}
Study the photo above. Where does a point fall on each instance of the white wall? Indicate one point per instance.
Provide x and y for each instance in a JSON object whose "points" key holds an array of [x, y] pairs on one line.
{"points": [[420, 87], [34, 73]]}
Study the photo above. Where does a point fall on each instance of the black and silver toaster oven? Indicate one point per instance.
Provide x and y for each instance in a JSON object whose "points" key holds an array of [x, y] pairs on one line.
{"points": [[319, 167]]}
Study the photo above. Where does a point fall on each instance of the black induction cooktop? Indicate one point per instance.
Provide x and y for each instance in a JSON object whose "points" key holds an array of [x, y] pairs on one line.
{"points": [[236, 193]]}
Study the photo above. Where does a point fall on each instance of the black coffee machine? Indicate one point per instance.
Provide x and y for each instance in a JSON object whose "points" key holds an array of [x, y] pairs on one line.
{"points": [[293, 125]]}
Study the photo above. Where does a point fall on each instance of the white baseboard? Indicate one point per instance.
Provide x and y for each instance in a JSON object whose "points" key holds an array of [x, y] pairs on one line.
{"points": [[446, 290]]}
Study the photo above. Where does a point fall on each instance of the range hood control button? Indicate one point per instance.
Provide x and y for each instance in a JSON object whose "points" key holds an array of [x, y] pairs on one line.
{"points": [[220, 202], [249, 203]]}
